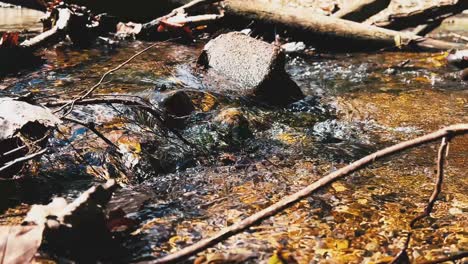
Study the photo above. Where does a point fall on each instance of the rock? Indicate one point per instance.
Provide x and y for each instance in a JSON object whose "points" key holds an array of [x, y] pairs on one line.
{"points": [[20, 122], [257, 66], [464, 75], [293, 47], [459, 59], [233, 125], [176, 103]]}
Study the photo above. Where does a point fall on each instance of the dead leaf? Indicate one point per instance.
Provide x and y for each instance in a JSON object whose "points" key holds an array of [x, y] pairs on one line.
{"points": [[19, 244], [9, 40]]}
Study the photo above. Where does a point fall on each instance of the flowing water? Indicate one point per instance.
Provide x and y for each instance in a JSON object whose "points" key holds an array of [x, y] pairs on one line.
{"points": [[356, 104]]}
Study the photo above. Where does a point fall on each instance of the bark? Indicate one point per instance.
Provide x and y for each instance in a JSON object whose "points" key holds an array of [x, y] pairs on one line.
{"points": [[425, 29], [331, 31], [362, 10], [399, 21], [55, 34]]}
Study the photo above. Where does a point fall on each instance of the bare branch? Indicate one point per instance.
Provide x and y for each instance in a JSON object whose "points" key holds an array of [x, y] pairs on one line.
{"points": [[23, 159], [442, 154], [56, 32], [91, 126]]}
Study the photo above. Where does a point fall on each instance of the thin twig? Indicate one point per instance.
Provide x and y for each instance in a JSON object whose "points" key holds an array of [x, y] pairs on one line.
{"points": [[23, 146], [290, 200], [94, 87], [80, 155], [442, 154], [91, 126], [438, 184], [23, 159], [129, 101]]}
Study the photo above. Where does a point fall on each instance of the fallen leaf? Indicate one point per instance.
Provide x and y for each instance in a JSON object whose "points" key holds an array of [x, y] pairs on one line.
{"points": [[19, 244]]}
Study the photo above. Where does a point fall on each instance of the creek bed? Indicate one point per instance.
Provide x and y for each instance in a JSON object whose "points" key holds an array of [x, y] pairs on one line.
{"points": [[356, 104]]}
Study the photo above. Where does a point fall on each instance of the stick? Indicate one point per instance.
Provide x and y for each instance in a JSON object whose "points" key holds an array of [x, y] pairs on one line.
{"points": [[401, 21], [451, 131], [442, 154], [129, 101], [56, 32], [2, 155], [438, 185], [91, 126], [23, 159], [92, 89], [152, 25]]}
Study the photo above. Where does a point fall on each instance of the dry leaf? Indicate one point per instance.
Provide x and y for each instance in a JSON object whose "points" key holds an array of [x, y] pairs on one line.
{"points": [[19, 244]]}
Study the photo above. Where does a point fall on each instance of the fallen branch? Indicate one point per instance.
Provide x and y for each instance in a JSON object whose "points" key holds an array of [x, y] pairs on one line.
{"points": [[361, 10], [433, 13], [178, 18], [450, 132], [94, 87], [55, 34], [128, 101], [23, 159], [92, 126], [329, 30]]}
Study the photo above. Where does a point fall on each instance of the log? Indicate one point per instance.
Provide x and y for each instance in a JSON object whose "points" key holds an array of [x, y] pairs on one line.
{"points": [[55, 34], [399, 21], [361, 10], [331, 31]]}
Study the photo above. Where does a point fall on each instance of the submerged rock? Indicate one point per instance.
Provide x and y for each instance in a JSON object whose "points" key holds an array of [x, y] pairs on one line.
{"points": [[176, 103], [233, 125], [257, 66]]}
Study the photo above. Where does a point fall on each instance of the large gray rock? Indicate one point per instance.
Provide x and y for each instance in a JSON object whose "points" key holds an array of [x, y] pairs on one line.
{"points": [[257, 66]]}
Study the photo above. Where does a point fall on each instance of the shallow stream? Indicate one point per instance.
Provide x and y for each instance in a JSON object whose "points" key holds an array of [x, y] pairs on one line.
{"points": [[356, 104]]}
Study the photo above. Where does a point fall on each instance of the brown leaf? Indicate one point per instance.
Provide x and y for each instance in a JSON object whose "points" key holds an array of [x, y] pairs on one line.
{"points": [[9, 40], [19, 244]]}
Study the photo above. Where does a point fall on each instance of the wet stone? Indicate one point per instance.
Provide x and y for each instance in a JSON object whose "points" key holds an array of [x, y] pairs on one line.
{"points": [[257, 66], [176, 103], [233, 124], [459, 59]]}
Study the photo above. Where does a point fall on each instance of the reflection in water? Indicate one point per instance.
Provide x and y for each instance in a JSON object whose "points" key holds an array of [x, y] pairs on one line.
{"points": [[19, 19]]}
